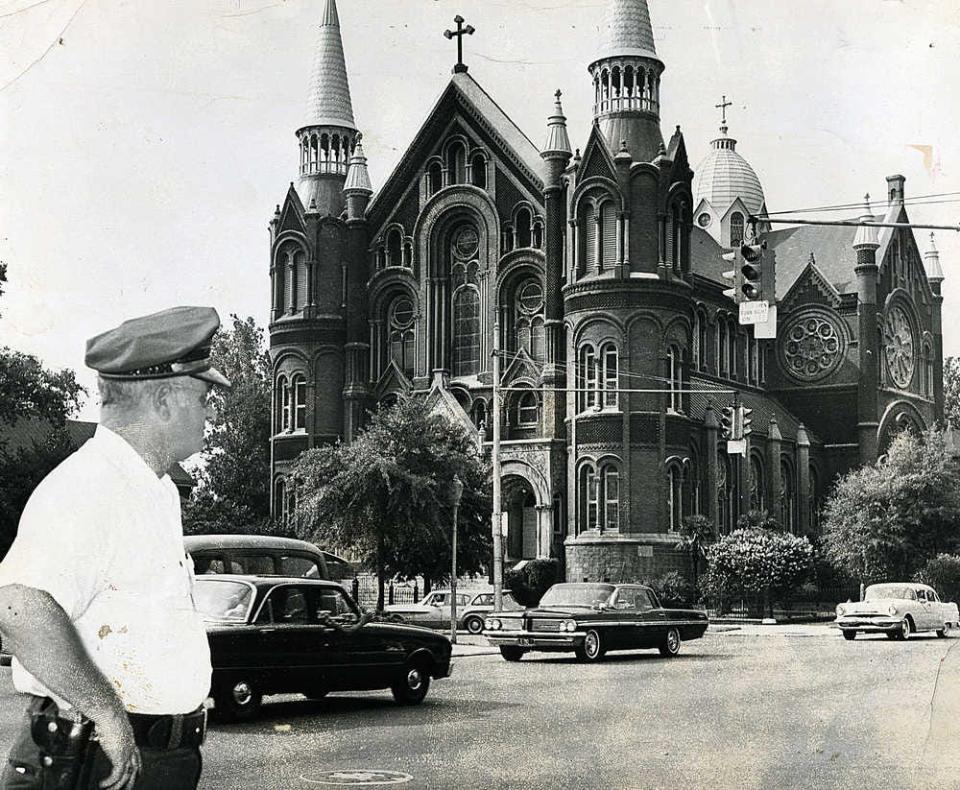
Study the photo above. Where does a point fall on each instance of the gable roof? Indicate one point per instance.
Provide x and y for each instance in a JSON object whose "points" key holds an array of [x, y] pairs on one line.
{"points": [[465, 94]]}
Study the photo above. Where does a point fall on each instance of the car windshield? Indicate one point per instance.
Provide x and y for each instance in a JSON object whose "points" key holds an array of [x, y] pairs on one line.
{"points": [[585, 595], [879, 592], [223, 600]]}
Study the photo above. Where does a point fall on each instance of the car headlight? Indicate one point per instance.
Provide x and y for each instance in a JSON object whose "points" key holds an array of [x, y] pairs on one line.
{"points": [[492, 624], [568, 625], [840, 610], [891, 610]]}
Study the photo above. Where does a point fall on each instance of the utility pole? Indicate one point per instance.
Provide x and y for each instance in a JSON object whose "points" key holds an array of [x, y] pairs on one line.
{"points": [[496, 517], [457, 494]]}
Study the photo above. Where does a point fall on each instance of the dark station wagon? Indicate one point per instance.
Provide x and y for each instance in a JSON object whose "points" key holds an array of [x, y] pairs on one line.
{"points": [[295, 635], [590, 619]]}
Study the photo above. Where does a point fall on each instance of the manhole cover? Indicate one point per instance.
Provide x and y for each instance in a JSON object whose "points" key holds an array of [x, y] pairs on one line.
{"points": [[358, 776]]}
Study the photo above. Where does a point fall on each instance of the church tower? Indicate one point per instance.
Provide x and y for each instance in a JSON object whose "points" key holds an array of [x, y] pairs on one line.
{"points": [[315, 282]]}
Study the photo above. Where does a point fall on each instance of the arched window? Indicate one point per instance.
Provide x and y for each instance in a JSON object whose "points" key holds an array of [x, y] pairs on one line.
{"points": [[479, 413], [478, 171], [280, 501], [676, 234], [611, 497], [675, 373], [754, 346], [700, 339], [528, 318], [674, 497], [402, 334], [589, 496], [788, 491], [527, 410], [813, 498], [284, 405], [723, 347], [607, 255], [725, 503], [600, 496], [589, 222], [456, 160], [298, 392], [538, 235], [434, 178], [394, 248], [736, 229], [280, 286], [691, 482], [466, 331], [610, 382], [757, 489], [929, 374], [524, 228], [587, 382]]}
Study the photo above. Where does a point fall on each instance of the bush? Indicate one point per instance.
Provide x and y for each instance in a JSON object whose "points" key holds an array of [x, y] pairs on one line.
{"points": [[529, 582], [673, 589], [943, 574], [760, 565]]}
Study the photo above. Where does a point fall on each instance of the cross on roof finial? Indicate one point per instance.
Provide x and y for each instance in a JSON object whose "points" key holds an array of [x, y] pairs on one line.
{"points": [[722, 106], [558, 94], [460, 32]]}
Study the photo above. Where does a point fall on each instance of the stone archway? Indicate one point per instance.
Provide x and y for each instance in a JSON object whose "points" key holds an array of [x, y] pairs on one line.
{"points": [[520, 505]]}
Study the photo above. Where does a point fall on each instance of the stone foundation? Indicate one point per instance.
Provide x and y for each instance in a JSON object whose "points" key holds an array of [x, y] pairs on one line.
{"points": [[619, 558]]}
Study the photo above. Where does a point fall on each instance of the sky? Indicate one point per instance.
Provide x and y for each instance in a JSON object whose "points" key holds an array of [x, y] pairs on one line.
{"points": [[144, 145]]}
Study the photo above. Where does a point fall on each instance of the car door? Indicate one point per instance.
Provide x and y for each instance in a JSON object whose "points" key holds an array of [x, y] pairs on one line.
{"points": [[930, 611], [655, 619], [628, 632]]}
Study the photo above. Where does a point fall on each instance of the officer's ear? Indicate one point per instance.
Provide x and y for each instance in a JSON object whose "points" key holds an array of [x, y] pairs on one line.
{"points": [[161, 400]]}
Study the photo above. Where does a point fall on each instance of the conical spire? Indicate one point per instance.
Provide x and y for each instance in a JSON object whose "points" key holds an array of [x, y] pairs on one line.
{"points": [[557, 139], [867, 235], [358, 179], [328, 99], [931, 262], [626, 30]]}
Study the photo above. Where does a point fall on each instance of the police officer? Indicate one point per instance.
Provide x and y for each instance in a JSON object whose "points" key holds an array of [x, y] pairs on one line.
{"points": [[96, 594]]}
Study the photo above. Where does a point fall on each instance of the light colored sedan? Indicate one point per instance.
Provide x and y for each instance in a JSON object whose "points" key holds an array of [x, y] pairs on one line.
{"points": [[434, 610], [897, 609]]}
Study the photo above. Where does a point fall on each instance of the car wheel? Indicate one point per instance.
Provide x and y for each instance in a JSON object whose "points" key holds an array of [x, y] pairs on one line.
{"points": [[474, 625], [671, 643], [412, 685], [238, 700], [511, 653], [849, 634], [906, 628], [942, 633], [592, 648]]}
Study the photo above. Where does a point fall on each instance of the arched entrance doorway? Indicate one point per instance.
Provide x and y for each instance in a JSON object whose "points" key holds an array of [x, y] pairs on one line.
{"points": [[520, 504]]}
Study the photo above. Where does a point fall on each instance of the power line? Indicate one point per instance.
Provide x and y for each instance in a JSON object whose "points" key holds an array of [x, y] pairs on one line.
{"points": [[860, 204]]}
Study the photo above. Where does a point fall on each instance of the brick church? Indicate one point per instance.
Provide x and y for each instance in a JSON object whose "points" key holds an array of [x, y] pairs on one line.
{"points": [[600, 268]]}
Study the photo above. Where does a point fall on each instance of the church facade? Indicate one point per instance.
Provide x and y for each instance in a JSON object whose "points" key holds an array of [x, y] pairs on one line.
{"points": [[596, 272]]}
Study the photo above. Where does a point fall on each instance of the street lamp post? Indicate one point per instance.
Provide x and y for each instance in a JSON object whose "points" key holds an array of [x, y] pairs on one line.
{"points": [[457, 493]]}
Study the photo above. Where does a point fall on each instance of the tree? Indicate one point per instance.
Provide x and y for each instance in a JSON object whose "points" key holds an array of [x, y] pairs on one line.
{"points": [[885, 520], [233, 487], [696, 533], [386, 497], [951, 391]]}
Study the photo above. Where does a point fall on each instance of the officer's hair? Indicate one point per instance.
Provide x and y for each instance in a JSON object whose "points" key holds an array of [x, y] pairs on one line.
{"points": [[122, 394]]}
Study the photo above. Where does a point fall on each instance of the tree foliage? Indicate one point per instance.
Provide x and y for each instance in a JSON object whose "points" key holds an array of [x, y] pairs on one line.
{"points": [[233, 486], [696, 534], [943, 574], [951, 390], [884, 521], [386, 498]]}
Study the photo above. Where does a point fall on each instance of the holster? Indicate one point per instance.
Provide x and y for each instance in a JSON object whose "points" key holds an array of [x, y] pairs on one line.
{"points": [[62, 743]]}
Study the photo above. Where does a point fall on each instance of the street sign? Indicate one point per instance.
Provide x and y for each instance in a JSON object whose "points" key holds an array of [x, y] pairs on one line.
{"points": [[767, 330], [754, 312], [737, 447]]}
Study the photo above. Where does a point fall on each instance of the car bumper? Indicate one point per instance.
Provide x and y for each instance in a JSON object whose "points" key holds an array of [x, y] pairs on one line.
{"points": [[870, 624], [534, 638]]}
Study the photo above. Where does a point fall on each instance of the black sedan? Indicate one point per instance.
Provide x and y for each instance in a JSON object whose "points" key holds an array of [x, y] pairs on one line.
{"points": [[590, 619], [272, 635]]}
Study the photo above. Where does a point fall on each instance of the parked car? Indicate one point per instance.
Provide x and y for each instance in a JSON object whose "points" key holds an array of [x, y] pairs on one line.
{"points": [[592, 618], [433, 611], [897, 609], [295, 635], [265, 555]]}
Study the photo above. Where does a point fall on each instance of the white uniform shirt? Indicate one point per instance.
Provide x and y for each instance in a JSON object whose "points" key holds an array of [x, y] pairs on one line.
{"points": [[102, 534]]}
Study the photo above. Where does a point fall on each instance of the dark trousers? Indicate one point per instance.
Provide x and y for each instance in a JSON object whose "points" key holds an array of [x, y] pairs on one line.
{"points": [[163, 769]]}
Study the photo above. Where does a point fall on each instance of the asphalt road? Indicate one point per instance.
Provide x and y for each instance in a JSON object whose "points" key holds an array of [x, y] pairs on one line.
{"points": [[739, 709]]}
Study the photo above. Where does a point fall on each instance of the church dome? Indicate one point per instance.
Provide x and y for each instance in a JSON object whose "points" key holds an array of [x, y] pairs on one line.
{"points": [[724, 175]]}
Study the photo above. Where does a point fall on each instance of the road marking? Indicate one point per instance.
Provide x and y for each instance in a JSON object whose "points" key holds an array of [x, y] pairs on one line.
{"points": [[358, 776]]}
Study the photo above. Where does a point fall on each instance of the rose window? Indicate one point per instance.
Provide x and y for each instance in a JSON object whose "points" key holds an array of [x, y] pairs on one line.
{"points": [[466, 243], [812, 347], [898, 346]]}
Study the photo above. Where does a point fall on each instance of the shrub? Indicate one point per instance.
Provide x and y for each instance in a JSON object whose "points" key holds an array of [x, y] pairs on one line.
{"points": [[757, 564], [529, 582], [673, 589], [943, 574]]}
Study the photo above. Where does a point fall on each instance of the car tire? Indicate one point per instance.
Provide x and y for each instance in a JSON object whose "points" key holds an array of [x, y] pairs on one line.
{"points": [[592, 649], [511, 652], [474, 625], [238, 700], [942, 633], [906, 628], [670, 646], [849, 634], [411, 687]]}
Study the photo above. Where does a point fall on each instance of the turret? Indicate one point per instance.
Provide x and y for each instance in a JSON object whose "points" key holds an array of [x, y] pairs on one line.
{"points": [[865, 243], [357, 188], [626, 80]]}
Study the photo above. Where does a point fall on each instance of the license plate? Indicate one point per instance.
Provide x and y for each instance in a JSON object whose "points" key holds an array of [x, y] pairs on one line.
{"points": [[526, 640]]}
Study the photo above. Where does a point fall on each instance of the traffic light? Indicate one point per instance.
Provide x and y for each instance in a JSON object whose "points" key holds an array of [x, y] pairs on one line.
{"points": [[728, 419], [734, 275], [751, 280], [743, 422]]}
